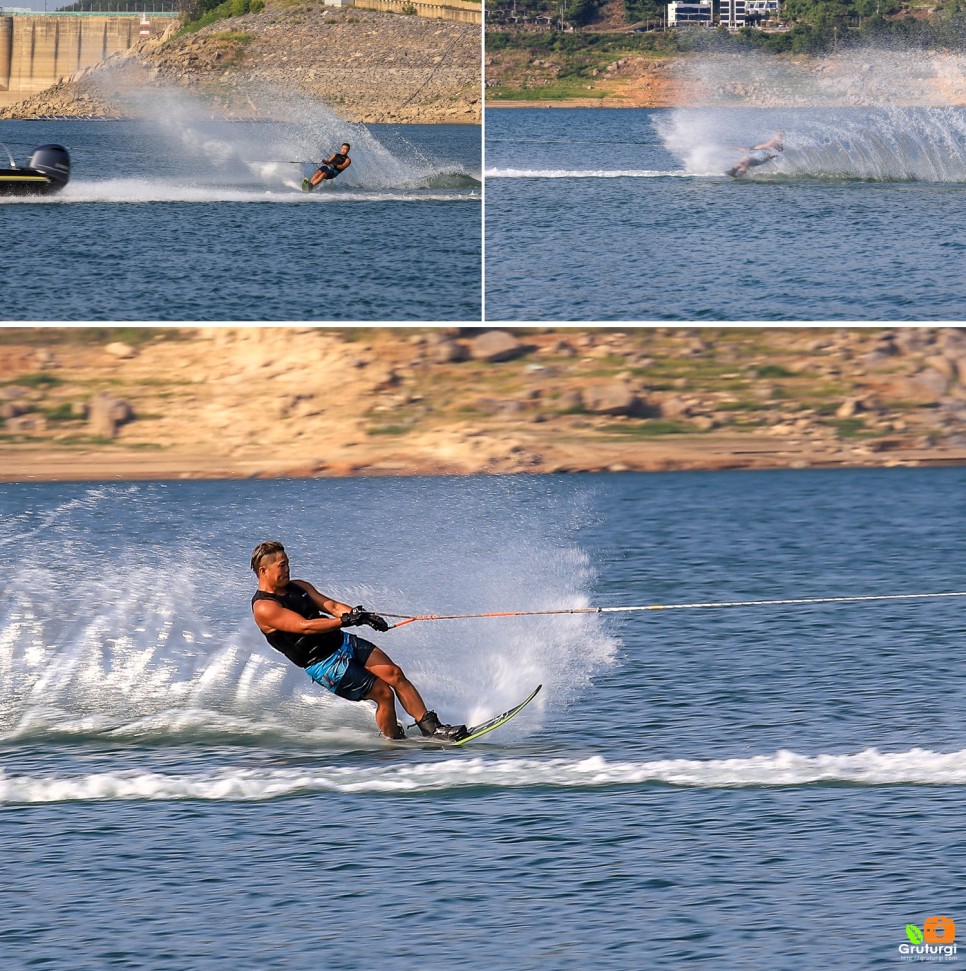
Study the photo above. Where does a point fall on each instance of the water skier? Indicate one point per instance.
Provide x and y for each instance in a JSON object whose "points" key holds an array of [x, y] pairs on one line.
{"points": [[329, 169], [758, 155], [307, 627]]}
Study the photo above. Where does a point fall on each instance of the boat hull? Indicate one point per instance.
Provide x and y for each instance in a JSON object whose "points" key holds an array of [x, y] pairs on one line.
{"points": [[25, 182], [47, 171]]}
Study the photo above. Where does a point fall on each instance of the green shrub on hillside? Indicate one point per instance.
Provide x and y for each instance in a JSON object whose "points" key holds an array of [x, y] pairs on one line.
{"points": [[580, 12], [578, 43], [203, 13], [638, 10]]}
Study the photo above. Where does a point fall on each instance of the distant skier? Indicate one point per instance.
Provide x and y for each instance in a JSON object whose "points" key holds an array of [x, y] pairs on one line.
{"points": [[758, 155], [329, 169]]}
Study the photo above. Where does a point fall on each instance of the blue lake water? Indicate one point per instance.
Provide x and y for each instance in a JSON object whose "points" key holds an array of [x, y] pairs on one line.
{"points": [[190, 217], [740, 787], [598, 215]]}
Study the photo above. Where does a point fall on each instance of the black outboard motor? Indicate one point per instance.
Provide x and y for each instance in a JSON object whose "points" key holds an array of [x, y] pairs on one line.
{"points": [[52, 161]]}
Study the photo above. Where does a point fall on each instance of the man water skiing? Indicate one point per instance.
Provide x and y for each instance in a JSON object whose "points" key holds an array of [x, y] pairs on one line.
{"points": [[307, 627], [758, 155], [337, 162]]}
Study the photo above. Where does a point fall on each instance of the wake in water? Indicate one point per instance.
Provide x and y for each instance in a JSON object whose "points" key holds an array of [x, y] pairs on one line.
{"points": [[864, 113], [583, 174], [139, 191], [866, 768]]}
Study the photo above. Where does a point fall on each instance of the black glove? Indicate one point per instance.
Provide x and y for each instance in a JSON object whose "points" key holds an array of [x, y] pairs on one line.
{"points": [[359, 616], [375, 621], [353, 618]]}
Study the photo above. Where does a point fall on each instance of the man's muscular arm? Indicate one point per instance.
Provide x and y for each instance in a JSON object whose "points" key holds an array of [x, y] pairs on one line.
{"points": [[356, 615], [272, 617], [330, 606]]}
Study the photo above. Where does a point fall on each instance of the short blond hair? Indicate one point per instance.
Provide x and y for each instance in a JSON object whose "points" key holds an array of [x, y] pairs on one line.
{"points": [[264, 550]]}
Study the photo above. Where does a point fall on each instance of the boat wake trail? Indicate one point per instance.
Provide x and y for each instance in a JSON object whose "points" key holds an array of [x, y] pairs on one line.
{"points": [[286, 191], [585, 174], [261, 783]]}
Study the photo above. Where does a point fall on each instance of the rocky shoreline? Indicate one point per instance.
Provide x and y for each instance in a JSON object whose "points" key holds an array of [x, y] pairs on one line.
{"points": [[244, 402], [367, 66], [632, 81]]}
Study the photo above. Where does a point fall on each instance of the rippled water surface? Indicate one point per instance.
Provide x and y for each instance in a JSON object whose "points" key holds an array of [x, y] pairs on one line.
{"points": [[722, 787], [193, 218], [596, 214]]}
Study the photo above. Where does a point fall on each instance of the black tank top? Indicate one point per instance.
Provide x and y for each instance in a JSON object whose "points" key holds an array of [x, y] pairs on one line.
{"points": [[338, 159], [301, 649]]}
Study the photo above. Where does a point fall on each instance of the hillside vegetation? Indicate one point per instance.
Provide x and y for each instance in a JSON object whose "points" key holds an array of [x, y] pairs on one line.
{"points": [[609, 43], [815, 24]]}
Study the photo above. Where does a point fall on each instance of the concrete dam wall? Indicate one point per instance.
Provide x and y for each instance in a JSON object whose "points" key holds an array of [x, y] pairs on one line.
{"points": [[37, 51]]}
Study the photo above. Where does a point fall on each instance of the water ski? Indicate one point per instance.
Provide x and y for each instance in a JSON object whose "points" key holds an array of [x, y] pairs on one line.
{"points": [[475, 731], [307, 185]]}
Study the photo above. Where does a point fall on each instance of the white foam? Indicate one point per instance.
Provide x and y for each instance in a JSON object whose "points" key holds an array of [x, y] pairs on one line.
{"points": [[585, 174], [784, 768], [140, 191]]}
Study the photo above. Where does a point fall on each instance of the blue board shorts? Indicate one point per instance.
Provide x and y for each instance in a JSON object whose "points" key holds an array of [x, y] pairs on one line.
{"points": [[343, 672]]}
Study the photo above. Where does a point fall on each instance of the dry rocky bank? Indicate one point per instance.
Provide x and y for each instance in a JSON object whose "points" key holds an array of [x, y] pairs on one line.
{"points": [[367, 66], [234, 402]]}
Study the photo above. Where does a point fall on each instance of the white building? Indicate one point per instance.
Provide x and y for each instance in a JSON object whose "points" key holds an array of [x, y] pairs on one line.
{"points": [[682, 13], [759, 9], [733, 13]]}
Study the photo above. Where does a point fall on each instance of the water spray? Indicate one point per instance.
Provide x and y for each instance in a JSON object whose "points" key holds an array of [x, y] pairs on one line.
{"points": [[870, 112]]}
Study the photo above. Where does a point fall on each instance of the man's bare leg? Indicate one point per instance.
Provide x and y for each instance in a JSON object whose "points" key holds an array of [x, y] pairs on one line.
{"points": [[383, 667], [385, 701]]}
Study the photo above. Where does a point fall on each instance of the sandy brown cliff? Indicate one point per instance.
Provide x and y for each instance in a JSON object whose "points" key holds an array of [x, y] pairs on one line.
{"points": [[248, 401]]}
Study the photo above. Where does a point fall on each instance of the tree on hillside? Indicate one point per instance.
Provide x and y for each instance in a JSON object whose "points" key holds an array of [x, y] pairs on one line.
{"points": [[201, 13], [580, 12], [636, 10], [821, 14]]}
